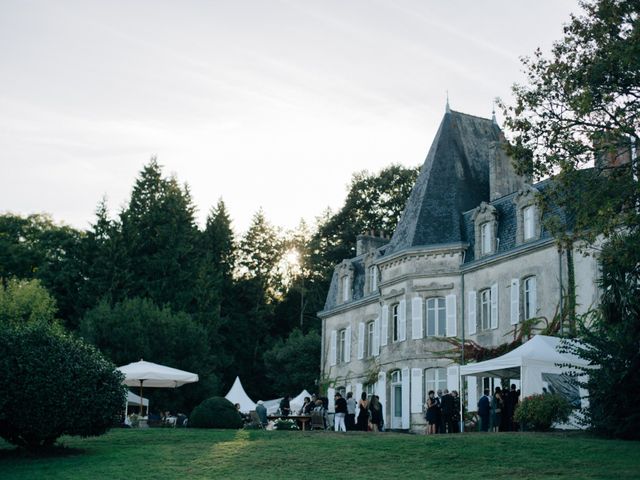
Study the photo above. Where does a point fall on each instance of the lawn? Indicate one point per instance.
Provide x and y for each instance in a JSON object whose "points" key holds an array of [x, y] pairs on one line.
{"points": [[223, 454]]}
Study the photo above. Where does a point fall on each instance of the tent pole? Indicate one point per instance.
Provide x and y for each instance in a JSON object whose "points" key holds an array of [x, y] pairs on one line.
{"points": [[141, 400]]}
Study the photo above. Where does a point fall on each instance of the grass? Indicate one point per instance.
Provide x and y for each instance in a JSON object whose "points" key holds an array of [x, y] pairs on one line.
{"points": [[224, 454]]}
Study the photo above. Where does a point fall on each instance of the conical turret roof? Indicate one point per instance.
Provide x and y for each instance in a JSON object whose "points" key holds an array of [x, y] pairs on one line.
{"points": [[453, 179]]}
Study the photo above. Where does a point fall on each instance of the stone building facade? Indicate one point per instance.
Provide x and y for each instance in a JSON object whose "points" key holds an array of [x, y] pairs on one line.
{"points": [[468, 260]]}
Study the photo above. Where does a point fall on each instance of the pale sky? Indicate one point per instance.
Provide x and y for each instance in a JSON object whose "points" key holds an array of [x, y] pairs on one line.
{"points": [[271, 104]]}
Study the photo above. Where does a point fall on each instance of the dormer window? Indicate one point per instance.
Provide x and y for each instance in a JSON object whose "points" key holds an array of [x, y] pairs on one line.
{"points": [[485, 218], [527, 214], [346, 288], [486, 238], [528, 218]]}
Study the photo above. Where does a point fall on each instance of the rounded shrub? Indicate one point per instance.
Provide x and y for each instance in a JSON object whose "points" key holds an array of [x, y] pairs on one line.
{"points": [[539, 412], [215, 412], [54, 384]]}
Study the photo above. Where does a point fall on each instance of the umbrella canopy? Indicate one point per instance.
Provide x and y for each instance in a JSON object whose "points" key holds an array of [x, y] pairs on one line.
{"points": [[154, 375]]}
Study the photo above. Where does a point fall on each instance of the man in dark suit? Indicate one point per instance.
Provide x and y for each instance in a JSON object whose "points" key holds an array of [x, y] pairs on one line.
{"points": [[484, 411], [446, 405]]}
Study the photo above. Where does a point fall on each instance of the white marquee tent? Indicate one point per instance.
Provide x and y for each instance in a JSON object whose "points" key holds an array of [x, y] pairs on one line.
{"points": [[535, 363], [238, 395], [296, 403]]}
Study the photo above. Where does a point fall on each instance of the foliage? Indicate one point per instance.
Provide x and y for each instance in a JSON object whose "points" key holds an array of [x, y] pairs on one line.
{"points": [[54, 384], [538, 412], [25, 301], [293, 364], [215, 412], [609, 338], [284, 424], [583, 104], [137, 328]]}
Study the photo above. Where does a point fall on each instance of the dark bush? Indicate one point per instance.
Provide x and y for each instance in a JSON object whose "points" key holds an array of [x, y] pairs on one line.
{"points": [[53, 384], [539, 412], [215, 412]]}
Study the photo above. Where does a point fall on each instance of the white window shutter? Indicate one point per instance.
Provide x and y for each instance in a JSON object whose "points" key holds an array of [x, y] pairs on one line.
{"points": [[360, 340], [533, 295], [381, 391], [402, 320], [376, 338], [515, 301], [452, 378], [452, 318], [358, 393], [494, 305], [416, 390], [347, 344], [472, 394], [384, 324], [416, 318], [472, 312], [331, 395], [333, 345], [406, 399]]}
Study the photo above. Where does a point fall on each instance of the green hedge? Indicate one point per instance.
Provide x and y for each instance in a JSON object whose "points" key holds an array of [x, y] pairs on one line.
{"points": [[54, 384], [539, 412], [215, 412]]}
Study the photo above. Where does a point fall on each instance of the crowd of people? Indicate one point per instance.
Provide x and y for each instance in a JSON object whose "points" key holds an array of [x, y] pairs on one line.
{"points": [[442, 412], [496, 412]]}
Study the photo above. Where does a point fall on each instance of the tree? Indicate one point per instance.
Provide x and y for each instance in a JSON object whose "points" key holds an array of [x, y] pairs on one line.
{"points": [[583, 105], [159, 236], [260, 253], [293, 364], [137, 328], [26, 301], [54, 384], [578, 119]]}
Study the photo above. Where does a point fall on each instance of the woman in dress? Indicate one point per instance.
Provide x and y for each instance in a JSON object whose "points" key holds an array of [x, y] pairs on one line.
{"points": [[363, 415], [376, 413], [433, 407], [497, 405]]}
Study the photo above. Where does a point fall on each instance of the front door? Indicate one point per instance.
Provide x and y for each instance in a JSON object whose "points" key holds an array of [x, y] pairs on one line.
{"points": [[396, 399]]}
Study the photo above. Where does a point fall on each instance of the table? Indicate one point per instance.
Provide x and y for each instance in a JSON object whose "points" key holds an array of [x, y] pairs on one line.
{"points": [[303, 419]]}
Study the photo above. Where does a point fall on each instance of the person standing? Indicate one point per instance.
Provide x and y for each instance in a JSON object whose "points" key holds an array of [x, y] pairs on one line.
{"points": [[484, 411], [340, 413], [363, 415], [496, 409], [432, 406], [350, 419], [456, 411], [440, 422], [375, 407], [261, 411], [447, 408], [285, 406]]}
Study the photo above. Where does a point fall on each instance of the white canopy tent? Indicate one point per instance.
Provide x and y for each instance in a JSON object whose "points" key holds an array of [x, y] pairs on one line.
{"points": [[272, 406], [536, 363], [297, 402], [238, 395]]}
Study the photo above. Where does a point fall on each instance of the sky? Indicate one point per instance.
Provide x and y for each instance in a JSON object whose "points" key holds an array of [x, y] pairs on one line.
{"points": [[270, 104]]}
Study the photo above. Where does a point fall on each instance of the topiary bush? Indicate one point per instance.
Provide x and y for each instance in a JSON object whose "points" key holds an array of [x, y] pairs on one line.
{"points": [[215, 412], [53, 384], [539, 412]]}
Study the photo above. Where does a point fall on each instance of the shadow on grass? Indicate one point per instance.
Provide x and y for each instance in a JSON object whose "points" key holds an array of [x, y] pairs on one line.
{"points": [[54, 451]]}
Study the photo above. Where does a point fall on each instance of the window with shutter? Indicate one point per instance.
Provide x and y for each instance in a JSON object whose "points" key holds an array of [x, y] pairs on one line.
{"points": [[376, 338], [333, 347], [494, 306], [452, 378], [402, 321], [384, 325], [471, 317], [406, 399], [361, 340], [370, 337], [395, 322], [530, 298], [515, 301], [436, 317], [347, 345], [485, 309], [416, 318], [452, 319], [528, 217], [417, 400]]}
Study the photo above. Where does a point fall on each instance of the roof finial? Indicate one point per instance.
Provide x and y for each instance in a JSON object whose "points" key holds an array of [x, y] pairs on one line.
{"points": [[493, 112], [447, 109]]}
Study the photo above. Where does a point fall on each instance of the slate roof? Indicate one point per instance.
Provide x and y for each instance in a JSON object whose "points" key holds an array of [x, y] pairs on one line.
{"points": [[357, 287], [453, 179]]}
